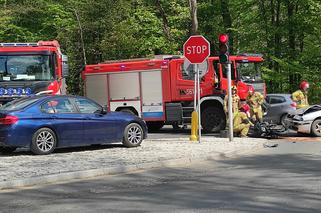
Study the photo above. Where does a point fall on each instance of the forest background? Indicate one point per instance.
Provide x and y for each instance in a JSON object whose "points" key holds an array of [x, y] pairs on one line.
{"points": [[286, 32]]}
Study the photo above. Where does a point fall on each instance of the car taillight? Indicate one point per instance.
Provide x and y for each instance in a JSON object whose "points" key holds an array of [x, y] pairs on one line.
{"points": [[9, 119], [293, 105]]}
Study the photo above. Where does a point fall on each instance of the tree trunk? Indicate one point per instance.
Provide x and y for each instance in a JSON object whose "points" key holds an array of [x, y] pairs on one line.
{"points": [[193, 11], [291, 40], [227, 22], [301, 33], [272, 12], [81, 38], [291, 31], [266, 25], [277, 40], [277, 36], [271, 44], [165, 21]]}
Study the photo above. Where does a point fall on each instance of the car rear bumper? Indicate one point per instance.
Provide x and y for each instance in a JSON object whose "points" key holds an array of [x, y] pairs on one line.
{"points": [[9, 137], [299, 126], [4, 142]]}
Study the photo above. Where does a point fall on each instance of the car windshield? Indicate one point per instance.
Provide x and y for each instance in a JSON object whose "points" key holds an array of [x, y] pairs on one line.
{"points": [[18, 104], [26, 68], [249, 71]]}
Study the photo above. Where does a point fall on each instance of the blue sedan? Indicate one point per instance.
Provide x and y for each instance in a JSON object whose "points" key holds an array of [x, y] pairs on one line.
{"points": [[44, 123]]}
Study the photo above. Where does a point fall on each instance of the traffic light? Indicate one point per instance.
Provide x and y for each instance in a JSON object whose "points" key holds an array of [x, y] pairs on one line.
{"points": [[224, 49]]}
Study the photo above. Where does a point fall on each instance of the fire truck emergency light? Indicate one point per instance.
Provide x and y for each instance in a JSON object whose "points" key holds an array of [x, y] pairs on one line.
{"points": [[15, 91]]}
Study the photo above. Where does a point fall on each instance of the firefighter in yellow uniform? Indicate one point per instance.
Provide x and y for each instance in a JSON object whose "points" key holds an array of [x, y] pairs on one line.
{"points": [[255, 101], [241, 122], [300, 97], [235, 101]]}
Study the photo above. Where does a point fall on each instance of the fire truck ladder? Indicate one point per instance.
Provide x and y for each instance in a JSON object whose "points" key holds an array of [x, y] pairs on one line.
{"points": [[187, 115]]}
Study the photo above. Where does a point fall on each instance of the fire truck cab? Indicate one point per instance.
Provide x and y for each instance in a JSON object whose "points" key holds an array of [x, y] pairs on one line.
{"points": [[31, 68], [161, 90]]}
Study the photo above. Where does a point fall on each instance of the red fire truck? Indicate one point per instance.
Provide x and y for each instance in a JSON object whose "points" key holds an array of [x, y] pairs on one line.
{"points": [[31, 68], [161, 90]]}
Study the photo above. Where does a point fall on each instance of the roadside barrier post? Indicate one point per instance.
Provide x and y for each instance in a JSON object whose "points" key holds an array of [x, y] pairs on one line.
{"points": [[230, 111]]}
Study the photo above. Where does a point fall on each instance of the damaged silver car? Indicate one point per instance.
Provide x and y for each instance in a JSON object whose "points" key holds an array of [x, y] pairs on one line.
{"points": [[307, 120]]}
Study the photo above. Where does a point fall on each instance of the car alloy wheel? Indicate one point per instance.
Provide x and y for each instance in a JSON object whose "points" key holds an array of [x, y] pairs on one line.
{"points": [[133, 135], [316, 128], [43, 141]]}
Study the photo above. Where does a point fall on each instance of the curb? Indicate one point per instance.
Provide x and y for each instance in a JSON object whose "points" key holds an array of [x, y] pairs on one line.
{"points": [[78, 175]]}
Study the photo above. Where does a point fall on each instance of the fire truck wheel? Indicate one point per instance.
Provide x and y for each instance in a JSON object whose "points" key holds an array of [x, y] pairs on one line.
{"points": [[127, 111], [213, 119], [154, 126], [133, 135]]}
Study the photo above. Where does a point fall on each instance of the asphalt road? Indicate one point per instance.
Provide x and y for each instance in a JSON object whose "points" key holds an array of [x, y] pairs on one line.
{"points": [[281, 179], [169, 132]]}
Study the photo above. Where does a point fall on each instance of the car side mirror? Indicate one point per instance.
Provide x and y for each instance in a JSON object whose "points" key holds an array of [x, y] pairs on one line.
{"points": [[65, 68], [104, 110]]}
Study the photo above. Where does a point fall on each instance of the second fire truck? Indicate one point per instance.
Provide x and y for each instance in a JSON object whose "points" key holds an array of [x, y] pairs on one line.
{"points": [[161, 90], [31, 68]]}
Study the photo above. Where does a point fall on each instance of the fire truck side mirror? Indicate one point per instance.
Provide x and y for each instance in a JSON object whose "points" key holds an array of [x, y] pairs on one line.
{"points": [[65, 67]]}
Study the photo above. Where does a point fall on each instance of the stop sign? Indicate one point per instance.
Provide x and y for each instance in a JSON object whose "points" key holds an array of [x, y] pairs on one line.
{"points": [[196, 49]]}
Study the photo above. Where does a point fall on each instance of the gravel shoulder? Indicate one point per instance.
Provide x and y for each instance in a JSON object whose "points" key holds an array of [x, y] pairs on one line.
{"points": [[23, 165]]}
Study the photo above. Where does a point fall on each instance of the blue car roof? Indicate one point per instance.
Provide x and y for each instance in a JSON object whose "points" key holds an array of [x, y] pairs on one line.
{"points": [[38, 99]]}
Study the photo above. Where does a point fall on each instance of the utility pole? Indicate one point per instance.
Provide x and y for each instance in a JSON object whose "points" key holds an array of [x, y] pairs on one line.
{"points": [[81, 38], [224, 61]]}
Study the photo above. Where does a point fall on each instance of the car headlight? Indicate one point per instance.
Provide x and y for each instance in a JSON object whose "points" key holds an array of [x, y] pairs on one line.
{"points": [[298, 118]]}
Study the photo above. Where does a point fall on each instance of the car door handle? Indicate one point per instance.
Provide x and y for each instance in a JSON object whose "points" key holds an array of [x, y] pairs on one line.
{"points": [[54, 116]]}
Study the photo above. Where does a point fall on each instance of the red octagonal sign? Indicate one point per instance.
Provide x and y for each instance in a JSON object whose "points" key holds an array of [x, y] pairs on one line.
{"points": [[196, 49]]}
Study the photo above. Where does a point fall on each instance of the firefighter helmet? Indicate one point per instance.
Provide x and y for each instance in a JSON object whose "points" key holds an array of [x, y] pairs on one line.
{"points": [[251, 89], [245, 108], [304, 85], [234, 89]]}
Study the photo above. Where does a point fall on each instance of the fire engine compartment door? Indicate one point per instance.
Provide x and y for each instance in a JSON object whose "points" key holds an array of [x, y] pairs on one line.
{"points": [[124, 91], [96, 88], [124, 86], [152, 95]]}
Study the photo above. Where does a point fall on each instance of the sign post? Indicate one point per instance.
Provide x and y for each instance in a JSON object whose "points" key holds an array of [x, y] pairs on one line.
{"points": [[230, 103], [199, 105], [196, 51], [224, 60]]}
